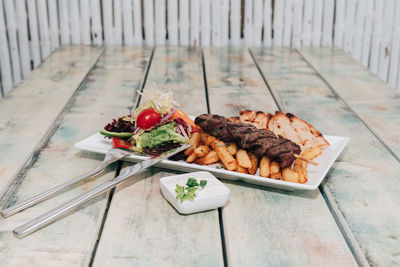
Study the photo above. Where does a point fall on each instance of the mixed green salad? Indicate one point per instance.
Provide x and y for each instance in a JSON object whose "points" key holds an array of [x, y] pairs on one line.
{"points": [[154, 127]]}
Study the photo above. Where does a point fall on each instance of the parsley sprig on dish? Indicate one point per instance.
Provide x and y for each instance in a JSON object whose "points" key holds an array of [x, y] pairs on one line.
{"points": [[188, 192]]}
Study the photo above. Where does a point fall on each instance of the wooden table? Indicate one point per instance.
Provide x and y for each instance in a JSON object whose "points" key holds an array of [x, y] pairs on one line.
{"points": [[354, 217]]}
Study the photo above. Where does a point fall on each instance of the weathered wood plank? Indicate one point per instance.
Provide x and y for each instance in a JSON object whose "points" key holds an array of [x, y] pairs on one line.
{"points": [[265, 226], [376, 103], [362, 186], [34, 105], [142, 229], [70, 241]]}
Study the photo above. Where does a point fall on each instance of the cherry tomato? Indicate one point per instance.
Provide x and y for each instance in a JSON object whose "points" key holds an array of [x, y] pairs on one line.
{"points": [[148, 118]]}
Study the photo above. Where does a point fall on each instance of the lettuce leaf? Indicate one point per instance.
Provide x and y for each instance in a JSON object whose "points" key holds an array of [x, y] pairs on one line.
{"points": [[159, 136]]}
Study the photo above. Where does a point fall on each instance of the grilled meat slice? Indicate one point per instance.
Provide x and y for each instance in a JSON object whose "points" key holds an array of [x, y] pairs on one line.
{"points": [[259, 141]]}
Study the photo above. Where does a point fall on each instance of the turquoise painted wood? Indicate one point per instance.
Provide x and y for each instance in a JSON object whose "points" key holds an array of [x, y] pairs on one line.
{"points": [[363, 185], [262, 226], [71, 240], [28, 112], [142, 228], [375, 102]]}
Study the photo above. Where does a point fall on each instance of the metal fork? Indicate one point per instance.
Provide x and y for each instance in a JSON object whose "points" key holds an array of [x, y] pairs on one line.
{"points": [[112, 156]]}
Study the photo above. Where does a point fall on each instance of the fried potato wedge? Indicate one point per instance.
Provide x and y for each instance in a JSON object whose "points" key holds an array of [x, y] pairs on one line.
{"points": [[241, 169], [201, 151], [290, 176], [243, 158], [194, 141], [265, 170], [223, 154], [232, 148], [275, 170], [208, 159], [191, 158], [254, 163], [311, 153], [300, 167]]}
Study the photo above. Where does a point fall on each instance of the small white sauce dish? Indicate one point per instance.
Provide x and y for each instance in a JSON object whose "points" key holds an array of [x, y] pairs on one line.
{"points": [[214, 195]]}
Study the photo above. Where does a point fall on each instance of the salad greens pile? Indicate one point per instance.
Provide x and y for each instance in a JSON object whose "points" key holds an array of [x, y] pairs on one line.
{"points": [[154, 126], [188, 192], [163, 134]]}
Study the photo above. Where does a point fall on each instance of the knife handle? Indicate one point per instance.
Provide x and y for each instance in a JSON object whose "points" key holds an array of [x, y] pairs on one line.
{"points": [[49, 193], [56, 213]]}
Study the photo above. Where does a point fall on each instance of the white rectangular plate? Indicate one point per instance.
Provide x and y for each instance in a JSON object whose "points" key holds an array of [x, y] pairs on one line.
{"points": [[98, 144]]}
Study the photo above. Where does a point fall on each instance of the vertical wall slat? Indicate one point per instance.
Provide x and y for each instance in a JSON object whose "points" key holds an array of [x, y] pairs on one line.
{"points": [[278, 23], [107, 22], [307, 22], [317, 23], [33, 31], [267, 23], [349, 30], [205, 22], [184, 22], [75, 21], [386, 48], [376, 36], [225, 22], [366, 43], [63, 11], [257, 22], [173, 22], [85, 22], [23, 37], [12, 37], [297, 22], [5, 63], [137, 22], [287, 25], [127, 21], [160, 22], [216, 22], [195, 22], [117, 23], [97, 29], [53, 24], [248, 23], [235, 22], [148, 22], [359, 30], [44, 29], [339, 23], [327, 24], [394, 70]]}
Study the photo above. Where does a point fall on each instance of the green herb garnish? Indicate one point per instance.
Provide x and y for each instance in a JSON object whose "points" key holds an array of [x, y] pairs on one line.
{"points": [[192, 182], [189, 193]]}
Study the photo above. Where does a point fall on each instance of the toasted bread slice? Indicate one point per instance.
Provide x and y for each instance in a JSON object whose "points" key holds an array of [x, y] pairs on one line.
{"points": [[309, 136], [234, 119], [261, 120], [281, 125], [247, 116], [256, 118], [297, 130]]}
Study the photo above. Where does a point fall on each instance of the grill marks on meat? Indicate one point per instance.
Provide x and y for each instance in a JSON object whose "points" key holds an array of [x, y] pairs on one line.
{"points": [[259, 141]]}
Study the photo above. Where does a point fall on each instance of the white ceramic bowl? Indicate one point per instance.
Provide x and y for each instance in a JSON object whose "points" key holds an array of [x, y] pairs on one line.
{"points": [[214, 195]]}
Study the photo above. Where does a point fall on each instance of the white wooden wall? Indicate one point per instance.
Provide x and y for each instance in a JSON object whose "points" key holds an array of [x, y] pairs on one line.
{"points": [[30, 30]]}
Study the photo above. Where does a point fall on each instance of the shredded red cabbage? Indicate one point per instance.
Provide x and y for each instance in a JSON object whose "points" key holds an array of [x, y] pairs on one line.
{"points": [[120, 125]]}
